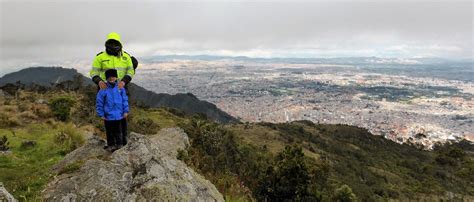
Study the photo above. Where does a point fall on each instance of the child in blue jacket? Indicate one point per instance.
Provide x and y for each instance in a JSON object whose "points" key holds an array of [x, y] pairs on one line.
{"points": [[112, 107]]}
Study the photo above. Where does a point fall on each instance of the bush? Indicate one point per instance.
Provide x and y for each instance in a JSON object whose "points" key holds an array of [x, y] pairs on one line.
{"points": [[288, 178], [61, 107], [86, 111], [344, 193], [68, 138], [4, 144], [144, 126]]}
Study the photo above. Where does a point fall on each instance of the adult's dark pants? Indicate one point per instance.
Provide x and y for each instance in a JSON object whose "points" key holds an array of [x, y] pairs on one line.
{"points": [[123, 124]]}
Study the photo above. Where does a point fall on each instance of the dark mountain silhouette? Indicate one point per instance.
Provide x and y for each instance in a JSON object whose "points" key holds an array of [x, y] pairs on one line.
{"points": [[184, 101], [44, 77]]}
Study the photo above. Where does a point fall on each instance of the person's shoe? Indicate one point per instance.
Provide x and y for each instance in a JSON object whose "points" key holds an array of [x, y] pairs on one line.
{"points": [[110, 148], [116, 147]]}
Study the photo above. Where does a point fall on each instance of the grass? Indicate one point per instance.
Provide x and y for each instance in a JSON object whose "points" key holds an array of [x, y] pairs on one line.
{"points": [[25, 171], [258, 135], [70, 168], [159, 115]]}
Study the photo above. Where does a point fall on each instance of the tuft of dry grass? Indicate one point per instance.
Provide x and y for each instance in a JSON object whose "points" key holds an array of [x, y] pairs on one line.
{"points": [[9, 121], [8, 108], [27, 115], [42, 110], [68, 137]]}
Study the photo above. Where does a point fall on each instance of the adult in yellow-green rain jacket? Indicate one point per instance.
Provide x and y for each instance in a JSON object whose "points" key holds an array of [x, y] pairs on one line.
{"points": [[113, 58]]}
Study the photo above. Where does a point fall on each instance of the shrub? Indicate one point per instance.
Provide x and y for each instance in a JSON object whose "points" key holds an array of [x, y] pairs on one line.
{"points": [[182, 155], [288, 179], [144, 126], [344, 193], [176, 112], [68, 138], [4, 144], [61, 107], [86, 111]]}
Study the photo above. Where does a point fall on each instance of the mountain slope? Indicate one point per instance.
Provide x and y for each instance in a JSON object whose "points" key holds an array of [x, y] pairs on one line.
{"points": [[263, 155], [53, 76], [263, 161]]}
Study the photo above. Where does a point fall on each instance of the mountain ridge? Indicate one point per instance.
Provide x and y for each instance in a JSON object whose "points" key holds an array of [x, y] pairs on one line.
{"points": [[35, 77]]}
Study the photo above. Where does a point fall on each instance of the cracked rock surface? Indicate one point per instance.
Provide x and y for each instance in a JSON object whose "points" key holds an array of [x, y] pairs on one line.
{"points": [[145, 169]]}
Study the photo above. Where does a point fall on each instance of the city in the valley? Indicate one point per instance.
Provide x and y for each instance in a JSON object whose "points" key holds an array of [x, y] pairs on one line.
{"points": [[422, 101]]}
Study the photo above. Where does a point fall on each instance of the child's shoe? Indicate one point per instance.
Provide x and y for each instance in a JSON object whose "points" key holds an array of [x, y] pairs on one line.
{"points": [[117, 147]]}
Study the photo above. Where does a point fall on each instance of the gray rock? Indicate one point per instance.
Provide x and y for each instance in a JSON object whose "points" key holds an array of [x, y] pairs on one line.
{"points": [[41, 101], [145, 169], [5, 195]]}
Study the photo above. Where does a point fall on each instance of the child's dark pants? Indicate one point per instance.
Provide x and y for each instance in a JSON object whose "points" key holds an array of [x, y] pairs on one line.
{"points": [[116, 132]]}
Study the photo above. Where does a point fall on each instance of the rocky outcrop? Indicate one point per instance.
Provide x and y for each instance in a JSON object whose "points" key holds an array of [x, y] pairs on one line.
{"points": [[145, 169], [5, 195]]}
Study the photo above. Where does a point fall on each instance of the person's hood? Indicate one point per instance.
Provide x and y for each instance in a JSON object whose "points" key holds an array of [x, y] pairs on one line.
{"points": [[114, 36]]}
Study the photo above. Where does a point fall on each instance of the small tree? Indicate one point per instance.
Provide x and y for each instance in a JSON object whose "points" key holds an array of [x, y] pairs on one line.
{"points": [[61, 107], [288, 179]]}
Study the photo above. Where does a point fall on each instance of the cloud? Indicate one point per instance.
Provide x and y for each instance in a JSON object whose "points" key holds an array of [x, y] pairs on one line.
{"points": [[34, 31]]}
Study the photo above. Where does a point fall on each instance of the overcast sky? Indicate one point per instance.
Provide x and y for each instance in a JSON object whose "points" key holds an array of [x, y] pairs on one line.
{"points": [[34, 32]]}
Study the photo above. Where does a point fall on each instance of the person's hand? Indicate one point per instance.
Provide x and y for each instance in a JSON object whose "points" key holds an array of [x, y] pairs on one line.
{"points": [[103, 118], [125, 115], [102, 85], [121, 84]]}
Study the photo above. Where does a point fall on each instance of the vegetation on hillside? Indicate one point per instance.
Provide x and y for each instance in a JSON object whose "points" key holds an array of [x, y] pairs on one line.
{"points": [[246, 161], [340, 162]]}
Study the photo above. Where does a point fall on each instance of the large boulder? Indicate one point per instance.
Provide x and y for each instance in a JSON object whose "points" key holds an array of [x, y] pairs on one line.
{"points": [[145, 169]]}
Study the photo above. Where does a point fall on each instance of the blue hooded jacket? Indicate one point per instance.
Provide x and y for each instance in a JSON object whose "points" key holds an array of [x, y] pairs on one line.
{"points": [[112, 102]]}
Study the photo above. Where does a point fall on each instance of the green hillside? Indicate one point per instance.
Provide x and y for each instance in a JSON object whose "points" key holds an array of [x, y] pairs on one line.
{"points": [[246, 161]]}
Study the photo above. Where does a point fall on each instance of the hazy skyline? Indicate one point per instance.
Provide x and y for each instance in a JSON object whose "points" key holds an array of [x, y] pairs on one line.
{"points": [[51, 32]]}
